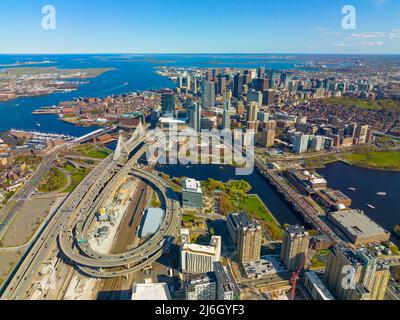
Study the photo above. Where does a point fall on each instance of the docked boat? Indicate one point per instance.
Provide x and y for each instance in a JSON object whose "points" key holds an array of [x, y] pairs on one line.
{"points": [[370, 206]]}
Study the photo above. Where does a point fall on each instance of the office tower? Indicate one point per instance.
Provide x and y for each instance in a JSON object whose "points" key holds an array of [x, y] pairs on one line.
{"points": [[227, 115], [268, 97], [180, 82], [208, 94], [195, 117], [268, 134], [252, 110], [283, 79], [262, 116], [239, 106], [208, 75], [228, 95], [318, 143], [368, 279], [380, 283], [194, 86], [300, 143], [188, 83], [221, 84], [361, 133], [272, 79], [234, 221], [261, 72], [214, 73], [227, 288], [192, 194], [375, 274], [201, 287], [238, 83], [249, 241], [197, 258], [294, 247], [255, 96], [261, 84], [168, 104]]}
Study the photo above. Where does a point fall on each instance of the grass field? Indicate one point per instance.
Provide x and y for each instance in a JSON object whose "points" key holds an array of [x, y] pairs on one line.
{"points": [[55, 180], [375, 159], [255, 208], [92, 151], [385, 104], [77, 175]]}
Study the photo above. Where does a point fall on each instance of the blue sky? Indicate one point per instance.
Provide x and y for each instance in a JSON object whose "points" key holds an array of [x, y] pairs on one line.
{"points": [[200, 26]]}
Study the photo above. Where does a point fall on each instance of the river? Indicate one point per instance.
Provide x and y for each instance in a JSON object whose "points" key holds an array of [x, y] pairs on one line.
{"points": [[367, 183]]}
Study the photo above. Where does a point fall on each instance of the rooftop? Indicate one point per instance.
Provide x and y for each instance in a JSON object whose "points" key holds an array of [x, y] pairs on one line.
{"points": [[356, 223], [319, 285], [191, 185], [150, 291], [151, 221]]}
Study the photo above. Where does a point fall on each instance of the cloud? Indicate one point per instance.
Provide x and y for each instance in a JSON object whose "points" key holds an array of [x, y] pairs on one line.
{"points": [[368, 35], [361, 44], [380, 3], [393, 34]]}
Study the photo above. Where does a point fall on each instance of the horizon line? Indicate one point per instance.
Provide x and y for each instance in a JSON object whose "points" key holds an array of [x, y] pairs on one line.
{"points": [[195, 53]]}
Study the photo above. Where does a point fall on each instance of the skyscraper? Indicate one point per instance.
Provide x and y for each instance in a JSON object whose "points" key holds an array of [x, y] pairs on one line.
{"points": [[268, 135], [227, 115], [340, 261], [356, 274], [300, 143], [294, 247], [221, 84], [272, 79], [252, 110], [195, 117], [249, 241], [238, 83], [255, 96], [208, 94], [261, 72], [268, 97], [168, 104]]}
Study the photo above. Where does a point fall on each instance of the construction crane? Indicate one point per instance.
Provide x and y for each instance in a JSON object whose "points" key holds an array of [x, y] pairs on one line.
{"points": [[296, 274]]}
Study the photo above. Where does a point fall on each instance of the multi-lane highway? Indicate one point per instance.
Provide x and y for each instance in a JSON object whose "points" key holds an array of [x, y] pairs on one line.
{"points": [[80, 200], [87, 258]]}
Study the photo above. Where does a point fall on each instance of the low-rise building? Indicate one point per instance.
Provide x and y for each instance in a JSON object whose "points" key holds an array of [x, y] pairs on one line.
{"points": [[359, 228], [192, 194], [151, 222], [150, 291], [197, 258], [201, 287]]}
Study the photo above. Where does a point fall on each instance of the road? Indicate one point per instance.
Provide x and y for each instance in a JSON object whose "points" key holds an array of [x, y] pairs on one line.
{"points": [[11, 209], [308, 212]]}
